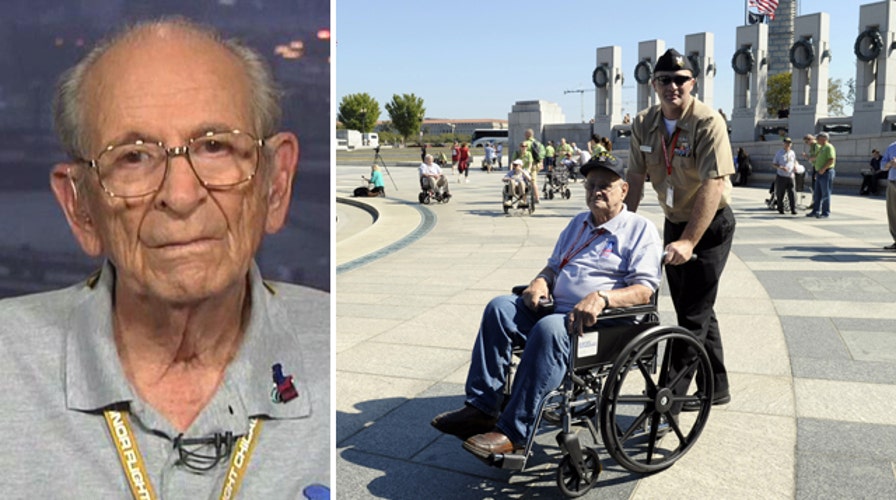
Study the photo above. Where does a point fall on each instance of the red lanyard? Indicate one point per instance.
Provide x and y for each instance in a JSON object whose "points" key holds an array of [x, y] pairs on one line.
{"points": [[573, 251], [666, 156]]}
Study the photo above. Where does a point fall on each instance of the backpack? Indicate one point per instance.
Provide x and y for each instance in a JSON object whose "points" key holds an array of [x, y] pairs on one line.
{"points": [[537, 150]]}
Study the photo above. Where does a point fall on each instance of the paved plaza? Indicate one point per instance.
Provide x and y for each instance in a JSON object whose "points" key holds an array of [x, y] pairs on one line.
{"points": [[806, 313]]}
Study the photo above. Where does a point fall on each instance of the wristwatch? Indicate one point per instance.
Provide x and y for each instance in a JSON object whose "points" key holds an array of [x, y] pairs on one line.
{"points": [[602, 294]]}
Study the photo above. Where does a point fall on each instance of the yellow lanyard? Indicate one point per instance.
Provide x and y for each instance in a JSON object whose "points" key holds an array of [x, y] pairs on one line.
{"points": [[135, 469]]}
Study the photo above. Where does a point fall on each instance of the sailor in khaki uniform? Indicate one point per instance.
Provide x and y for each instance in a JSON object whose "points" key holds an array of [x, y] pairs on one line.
{"points": [[682, 145]]}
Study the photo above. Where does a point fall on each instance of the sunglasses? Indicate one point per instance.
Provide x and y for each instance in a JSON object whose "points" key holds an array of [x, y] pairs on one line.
{"points": [[678, 79]]}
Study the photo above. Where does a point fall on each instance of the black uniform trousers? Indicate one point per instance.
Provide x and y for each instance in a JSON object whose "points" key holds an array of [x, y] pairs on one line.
{"points": [[694, 286]]}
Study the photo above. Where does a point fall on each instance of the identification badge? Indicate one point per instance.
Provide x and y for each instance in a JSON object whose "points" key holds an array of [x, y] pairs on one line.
{"points": [[587, 345], [645, 148], [670, 194]]}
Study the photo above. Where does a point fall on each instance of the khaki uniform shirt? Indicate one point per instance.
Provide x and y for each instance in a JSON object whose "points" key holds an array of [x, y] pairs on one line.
{"points": [[702, 151]]}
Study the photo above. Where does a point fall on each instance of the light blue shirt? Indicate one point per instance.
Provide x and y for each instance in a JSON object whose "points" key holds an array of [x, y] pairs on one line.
{"points": [[889, 154], [627, 253], [786, 159]]}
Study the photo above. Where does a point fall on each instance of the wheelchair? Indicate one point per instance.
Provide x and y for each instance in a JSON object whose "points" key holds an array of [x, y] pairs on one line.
{"points": [[430, 193], [557, 182], [525, 202], [626, 396]]}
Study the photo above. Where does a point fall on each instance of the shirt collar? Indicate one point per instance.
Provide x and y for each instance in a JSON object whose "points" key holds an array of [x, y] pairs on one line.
{"points": [[94, 377], [611, 226]]}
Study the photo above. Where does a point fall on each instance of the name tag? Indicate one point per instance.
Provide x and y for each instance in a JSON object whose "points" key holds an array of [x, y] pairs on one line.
{"points": [[588, 345], [645, 149]]}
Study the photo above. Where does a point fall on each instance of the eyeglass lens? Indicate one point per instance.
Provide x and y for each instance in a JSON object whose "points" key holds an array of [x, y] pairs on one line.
{"points": [[219, 160]]}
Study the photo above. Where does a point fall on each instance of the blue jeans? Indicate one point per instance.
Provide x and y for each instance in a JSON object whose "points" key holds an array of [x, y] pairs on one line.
{"points": [[506, 323], [824, 183]]}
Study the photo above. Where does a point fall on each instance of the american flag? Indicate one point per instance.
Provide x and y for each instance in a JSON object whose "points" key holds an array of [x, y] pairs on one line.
{"points": [[764, 6]]}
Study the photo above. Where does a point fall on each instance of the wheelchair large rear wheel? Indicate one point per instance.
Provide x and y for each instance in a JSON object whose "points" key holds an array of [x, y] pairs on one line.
{"points": [[641, 422], [531, 197], [568, 479]]}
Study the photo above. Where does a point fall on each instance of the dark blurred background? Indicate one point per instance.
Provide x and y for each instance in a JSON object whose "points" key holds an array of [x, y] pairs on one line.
{"points": [[39, 39]]}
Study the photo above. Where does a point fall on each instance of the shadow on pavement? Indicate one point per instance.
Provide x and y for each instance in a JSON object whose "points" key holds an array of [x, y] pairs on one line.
{"points": [[837, 254], [389, 449]]}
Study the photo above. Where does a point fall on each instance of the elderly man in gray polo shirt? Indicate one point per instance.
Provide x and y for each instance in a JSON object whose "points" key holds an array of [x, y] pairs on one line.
{"points": [[175, 371]]}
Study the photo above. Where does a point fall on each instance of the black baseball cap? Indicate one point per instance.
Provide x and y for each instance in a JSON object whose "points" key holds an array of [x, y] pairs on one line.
{"points": [[672, 60], [606, 161]]}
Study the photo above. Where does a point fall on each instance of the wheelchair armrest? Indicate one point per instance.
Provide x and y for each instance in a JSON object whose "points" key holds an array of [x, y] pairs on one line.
{"points": [[545, 306], [624, 312]]}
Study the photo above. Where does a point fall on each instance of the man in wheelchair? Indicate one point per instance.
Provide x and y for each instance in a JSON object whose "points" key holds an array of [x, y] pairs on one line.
{"points": [[516, 182], [606, 257], [431, 178]]}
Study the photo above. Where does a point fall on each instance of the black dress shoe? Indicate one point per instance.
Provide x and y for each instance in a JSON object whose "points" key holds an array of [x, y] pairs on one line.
{"points": [[717, 399], [490, 443], [465, 422], [890, 247]]}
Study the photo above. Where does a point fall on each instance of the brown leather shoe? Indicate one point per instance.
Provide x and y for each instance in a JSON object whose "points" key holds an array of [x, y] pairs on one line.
{"points": [[465, 422], [490, 443]]}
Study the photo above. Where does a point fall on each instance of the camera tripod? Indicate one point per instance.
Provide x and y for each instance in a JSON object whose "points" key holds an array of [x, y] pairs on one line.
{"points": [[378, 160]]}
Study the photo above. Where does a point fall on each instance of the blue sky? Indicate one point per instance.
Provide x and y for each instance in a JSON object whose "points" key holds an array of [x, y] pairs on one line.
{"points": [[474, 59]]}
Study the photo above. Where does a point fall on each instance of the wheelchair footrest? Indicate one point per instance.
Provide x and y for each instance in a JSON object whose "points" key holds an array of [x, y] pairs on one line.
{"points": [[509, 461]]}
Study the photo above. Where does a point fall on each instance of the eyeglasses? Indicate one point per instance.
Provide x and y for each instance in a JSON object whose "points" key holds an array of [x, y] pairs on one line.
{"points": [[220, 160], [678, 79], [603, 188]]}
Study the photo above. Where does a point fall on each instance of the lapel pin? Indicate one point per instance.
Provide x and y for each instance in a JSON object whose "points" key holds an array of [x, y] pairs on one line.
{"points": [[284, 390]]}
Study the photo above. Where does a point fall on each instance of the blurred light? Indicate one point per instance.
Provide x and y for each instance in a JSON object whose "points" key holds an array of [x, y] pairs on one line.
{"points": [[59, 41], [288, 52], [323, 34], [79, 42]]}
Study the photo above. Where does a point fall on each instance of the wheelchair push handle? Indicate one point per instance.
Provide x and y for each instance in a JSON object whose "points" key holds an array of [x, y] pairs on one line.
{"points": [[665, 254]]}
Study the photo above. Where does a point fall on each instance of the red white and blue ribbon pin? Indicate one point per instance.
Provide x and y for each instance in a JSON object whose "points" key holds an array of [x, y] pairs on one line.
{"points": [[284, 389]]}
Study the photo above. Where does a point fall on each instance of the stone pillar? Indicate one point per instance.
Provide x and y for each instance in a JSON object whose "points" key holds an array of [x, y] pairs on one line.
{"points": [[809, 84], [699, 50], [648, 53], [607, 78], [875, 78], [780, 37], [530, 114], [750, 57]]}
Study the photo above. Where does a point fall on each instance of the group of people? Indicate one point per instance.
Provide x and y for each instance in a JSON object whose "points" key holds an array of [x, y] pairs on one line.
{"points": [[609, 256]]}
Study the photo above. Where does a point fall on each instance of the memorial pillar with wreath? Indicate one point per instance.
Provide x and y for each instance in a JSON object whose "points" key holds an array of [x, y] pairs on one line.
{"points": [[607, 78], [699, 51], [810, 58], [875, 69], [648, 52], [750, 66]]}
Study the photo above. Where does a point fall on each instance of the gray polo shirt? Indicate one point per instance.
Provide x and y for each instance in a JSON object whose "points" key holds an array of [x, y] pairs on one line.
{"points": [[59, 369]]}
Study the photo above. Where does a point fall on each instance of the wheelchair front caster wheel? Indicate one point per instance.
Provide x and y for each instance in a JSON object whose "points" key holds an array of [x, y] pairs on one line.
{"points": [[567, 194], [568, 479]]}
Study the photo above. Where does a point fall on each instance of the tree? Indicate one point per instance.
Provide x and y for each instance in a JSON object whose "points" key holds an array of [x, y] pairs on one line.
{"points": [[836, 97], [359, 112], [406, 112], [777, 95]]}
